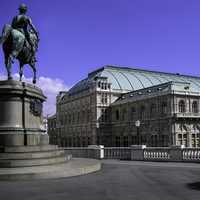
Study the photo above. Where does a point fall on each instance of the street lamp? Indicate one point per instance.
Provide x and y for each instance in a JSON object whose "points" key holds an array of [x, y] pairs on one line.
{"points": [[137, 124]]}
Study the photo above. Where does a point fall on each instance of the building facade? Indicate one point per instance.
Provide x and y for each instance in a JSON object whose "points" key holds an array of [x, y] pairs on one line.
{"points": [[52, 132], [168, 114], [104, 107]]}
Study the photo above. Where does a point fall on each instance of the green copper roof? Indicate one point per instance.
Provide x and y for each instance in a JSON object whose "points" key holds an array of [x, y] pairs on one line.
{"points": [[128, 79]]}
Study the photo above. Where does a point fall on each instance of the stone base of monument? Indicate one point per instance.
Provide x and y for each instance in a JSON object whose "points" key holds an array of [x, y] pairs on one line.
{"points": [[25, 152], [75, 167], [32, 156]]}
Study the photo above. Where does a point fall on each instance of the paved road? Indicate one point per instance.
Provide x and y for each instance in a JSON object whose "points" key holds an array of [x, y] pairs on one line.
{"points": [[122, 180]]}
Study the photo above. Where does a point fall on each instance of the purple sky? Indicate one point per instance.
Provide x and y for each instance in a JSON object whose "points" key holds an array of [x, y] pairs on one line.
{"points": [[77, 36]]}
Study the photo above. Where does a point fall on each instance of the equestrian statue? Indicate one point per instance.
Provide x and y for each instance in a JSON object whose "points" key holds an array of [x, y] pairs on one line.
{"points": [[20, 41]]}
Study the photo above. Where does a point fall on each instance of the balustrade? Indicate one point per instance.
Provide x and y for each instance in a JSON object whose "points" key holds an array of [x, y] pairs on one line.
{"points": [[134, 153], [117, 153], [157, 153], [191, 154]]}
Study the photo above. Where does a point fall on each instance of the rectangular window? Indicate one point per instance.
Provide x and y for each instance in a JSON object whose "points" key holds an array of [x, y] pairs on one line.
{"points": [[104, 115], [193, 140], [124, 115], [117, 141], [104, 98], [117, 114], [133, 113]]}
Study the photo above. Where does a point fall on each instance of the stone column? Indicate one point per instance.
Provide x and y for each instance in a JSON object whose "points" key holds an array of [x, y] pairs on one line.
{"points": [[189, 139]]}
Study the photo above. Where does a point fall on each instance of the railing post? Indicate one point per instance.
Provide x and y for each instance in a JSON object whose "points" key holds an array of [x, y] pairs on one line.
{"points": [[97, 151], [101, 156], [176, 153], [137, 152]]}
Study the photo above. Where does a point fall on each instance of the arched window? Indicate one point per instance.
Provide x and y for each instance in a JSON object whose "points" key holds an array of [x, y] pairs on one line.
{"points": [[142, 112], [181, 106], [117, 141], [125, 141], [153, 110], [83, 116], [133, 112], [123, 114], [194, 107], [164, 108]]}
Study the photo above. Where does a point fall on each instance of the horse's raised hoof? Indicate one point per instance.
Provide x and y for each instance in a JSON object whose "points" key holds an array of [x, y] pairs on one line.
{"points": [[34, 81]]}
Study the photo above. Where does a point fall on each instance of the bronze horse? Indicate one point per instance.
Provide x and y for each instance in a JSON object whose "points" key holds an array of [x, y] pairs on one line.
{"points": [[15, 46]]}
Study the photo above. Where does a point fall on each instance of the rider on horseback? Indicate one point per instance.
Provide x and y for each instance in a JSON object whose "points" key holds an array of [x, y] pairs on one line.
{"points": [[23, 24], [20, 41]]}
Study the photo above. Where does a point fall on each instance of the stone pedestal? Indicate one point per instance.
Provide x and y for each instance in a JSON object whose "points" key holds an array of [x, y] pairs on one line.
{"points": [[25, 152], [22, 139], [20, 114]]}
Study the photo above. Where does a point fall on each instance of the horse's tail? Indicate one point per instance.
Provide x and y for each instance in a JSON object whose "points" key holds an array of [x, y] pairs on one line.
{"points": [[5, 33]]}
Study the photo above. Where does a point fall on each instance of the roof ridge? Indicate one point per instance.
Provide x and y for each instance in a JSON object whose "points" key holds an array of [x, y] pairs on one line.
{"points": [[158, 85], [145, 70]]}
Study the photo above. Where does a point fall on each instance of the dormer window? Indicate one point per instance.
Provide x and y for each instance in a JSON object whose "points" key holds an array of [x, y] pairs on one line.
{"points": [[103, 85]]}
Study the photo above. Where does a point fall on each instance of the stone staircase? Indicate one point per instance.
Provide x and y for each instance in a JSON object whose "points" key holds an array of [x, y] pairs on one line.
{"points": [[25, 156]]}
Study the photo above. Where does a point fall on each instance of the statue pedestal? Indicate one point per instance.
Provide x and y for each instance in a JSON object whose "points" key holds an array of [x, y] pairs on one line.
{"points": [[21, 114], [25, 152], [22, 139]]}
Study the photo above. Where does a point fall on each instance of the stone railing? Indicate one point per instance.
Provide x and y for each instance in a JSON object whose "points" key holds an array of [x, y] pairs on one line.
{"points": [[92, 151], [137, 152], [156, 153], [117, 153], [191, 154]]}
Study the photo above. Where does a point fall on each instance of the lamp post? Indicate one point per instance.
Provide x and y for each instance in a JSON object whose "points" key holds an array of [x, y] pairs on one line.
{"points": [[137, 124]]}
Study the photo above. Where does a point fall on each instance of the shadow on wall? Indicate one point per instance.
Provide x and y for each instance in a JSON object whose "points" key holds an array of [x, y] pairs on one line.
{"points": [[194, 186]]}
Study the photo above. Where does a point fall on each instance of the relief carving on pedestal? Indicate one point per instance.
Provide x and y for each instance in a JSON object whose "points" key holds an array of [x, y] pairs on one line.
{"points": [[36, 107]]}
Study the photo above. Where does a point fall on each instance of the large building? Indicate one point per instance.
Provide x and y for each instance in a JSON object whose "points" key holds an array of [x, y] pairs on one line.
{"points": [[51, 128], [117, 106]]}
